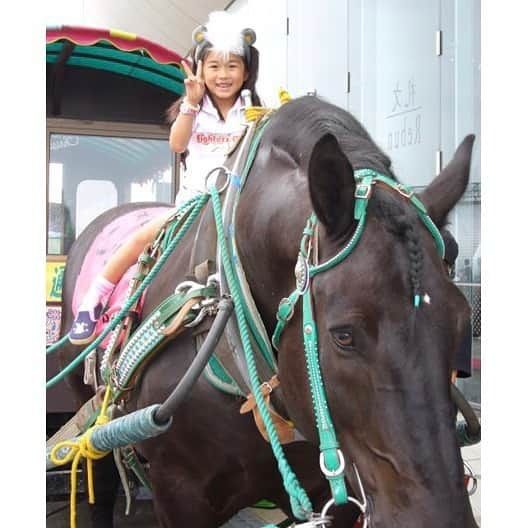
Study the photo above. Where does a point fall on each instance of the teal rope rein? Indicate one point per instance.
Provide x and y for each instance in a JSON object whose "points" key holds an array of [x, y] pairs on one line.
{"points": [[57, 345], [300, 501]]}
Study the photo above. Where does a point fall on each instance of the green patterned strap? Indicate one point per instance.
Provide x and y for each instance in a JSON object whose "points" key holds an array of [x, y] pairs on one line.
{"points": [[148, 336], [331, 459]]}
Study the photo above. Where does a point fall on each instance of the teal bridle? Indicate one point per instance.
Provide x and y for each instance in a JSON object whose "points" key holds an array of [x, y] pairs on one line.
{"points": [[332, 461]]}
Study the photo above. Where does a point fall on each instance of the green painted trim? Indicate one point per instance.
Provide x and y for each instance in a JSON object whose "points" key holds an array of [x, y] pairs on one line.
{"points": [[134, 59], [172, 85]]}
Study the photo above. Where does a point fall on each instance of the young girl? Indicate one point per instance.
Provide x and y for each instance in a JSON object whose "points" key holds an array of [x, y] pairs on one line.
{"points": [[206, 123]]}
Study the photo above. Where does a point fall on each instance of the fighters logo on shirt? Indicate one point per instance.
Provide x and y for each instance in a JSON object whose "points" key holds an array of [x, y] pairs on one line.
{"points": [[216, 139]]}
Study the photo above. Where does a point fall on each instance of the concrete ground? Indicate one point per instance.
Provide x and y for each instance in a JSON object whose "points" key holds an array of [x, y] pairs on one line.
{"points": [[58, 516], [57, 513]]}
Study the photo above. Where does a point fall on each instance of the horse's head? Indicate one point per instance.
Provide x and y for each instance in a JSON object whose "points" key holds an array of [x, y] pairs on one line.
{"points": [[385, 360], [386, 363]]}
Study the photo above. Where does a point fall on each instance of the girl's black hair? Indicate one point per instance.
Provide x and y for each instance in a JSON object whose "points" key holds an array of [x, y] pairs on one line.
{"points": [[250, 83]]}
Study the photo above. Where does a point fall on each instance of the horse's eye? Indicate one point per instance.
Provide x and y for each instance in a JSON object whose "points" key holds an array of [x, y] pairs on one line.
{"points": [[344, 339]]}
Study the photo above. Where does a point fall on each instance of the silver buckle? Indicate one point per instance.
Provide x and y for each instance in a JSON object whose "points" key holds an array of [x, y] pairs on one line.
{"points": [[227, 175], [403, 191], [266, 385], [332, 472], [286, 300], [366, 187]]}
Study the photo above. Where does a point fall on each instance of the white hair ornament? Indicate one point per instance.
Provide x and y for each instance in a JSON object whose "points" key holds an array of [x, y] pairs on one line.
{"points": [[223, 35]]}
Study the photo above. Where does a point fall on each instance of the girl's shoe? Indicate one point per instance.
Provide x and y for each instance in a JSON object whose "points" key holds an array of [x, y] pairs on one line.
{"points": [[83, 327]]}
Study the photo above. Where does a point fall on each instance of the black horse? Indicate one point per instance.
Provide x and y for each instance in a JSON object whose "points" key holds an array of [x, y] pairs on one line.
{"points": [[385, 363]]}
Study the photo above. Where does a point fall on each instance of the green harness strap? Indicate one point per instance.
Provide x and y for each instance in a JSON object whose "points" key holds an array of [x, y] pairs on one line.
{"points": [[408, 193], [257, 328], [366, 178], [148, 337], [331, 459], [300, 501]]}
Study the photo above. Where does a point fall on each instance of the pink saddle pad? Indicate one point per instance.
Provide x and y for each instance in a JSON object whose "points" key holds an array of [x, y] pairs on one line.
{"points": [[103, 247]]}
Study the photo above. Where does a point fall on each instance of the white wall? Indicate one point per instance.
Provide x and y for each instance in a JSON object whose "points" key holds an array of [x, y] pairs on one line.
{"points": [[268, 19], [318, 49], [167, 23]]}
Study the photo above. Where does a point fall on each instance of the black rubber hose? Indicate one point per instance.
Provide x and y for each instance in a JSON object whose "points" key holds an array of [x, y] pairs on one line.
{"points": [[182, 390], [469, 432]]}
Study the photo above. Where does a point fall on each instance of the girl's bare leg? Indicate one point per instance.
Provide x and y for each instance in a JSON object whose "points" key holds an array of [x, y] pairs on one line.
{"points": [[131, 249], [84, 326]]}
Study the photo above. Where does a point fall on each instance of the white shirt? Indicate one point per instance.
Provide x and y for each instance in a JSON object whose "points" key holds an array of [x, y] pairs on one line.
{"points": [[211, 140]]}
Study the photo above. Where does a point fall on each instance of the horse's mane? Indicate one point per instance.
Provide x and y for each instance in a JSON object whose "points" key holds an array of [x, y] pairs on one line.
{"points": [[301, 122]]}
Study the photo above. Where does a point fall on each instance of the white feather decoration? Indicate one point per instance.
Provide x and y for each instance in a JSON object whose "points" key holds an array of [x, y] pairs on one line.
{"points": [[224, 32]]}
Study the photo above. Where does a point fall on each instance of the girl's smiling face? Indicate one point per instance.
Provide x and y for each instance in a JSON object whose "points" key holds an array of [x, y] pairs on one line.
{"points": [[224, 78]]}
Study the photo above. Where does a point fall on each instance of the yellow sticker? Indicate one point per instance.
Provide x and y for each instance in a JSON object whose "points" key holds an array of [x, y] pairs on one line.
{"points": [[54, 276]]}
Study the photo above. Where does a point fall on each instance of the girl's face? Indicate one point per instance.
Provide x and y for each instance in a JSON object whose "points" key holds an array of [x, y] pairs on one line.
{"points": [[224, 78]]}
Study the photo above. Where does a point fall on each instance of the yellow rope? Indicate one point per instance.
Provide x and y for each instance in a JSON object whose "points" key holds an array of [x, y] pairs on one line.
{"points": [[253, 113], [82, 448]]}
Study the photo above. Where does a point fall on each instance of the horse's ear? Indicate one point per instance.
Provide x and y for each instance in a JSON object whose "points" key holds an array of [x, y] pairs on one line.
{"points": [[442, 194], [332, 186]]}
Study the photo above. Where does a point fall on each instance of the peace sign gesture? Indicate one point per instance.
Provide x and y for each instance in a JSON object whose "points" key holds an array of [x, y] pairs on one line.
{"points": [[194, 84]]}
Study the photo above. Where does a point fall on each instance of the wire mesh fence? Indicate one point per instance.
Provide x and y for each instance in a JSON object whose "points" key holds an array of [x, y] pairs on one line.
{"points": [[472, 294]]}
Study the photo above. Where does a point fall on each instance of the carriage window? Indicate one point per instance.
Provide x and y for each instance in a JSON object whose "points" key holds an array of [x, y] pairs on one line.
{"points": [[89, 174], [93, 198]]}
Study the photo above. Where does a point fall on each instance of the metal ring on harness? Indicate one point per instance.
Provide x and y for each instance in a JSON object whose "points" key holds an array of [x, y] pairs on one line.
{"points": [[330, 503], [208, 309], [472, 477], [227, 179], [187, 286], [361, 505]]}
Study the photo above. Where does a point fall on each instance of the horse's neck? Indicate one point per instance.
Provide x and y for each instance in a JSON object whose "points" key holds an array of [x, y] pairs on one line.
{"points": [[269, 232]]}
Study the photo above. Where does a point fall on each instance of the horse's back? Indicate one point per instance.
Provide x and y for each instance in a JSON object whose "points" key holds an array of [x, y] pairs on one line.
{"points": [[97, 243]]}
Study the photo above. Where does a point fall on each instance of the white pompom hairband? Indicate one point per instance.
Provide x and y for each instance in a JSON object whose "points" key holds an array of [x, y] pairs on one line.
{"points": [[223, 35]]}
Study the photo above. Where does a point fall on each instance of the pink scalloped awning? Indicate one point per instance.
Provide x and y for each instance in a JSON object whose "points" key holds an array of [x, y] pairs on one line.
{"points": [[120, 39]]}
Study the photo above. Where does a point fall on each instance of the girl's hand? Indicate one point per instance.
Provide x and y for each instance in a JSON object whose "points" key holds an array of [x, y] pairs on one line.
{"points": [[194, 84]]}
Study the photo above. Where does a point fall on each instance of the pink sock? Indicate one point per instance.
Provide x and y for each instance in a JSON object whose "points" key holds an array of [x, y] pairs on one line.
{"points": [[99, 292]]}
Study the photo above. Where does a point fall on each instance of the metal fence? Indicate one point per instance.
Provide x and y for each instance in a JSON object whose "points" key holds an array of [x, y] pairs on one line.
{"points": [[471, 291]]}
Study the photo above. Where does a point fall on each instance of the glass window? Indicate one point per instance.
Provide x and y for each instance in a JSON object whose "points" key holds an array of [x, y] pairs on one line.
{"points": [[93, 197], [89, 174]]}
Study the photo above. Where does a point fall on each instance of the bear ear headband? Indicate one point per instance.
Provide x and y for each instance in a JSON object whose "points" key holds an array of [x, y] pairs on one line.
{"points": [[238, 43]]}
